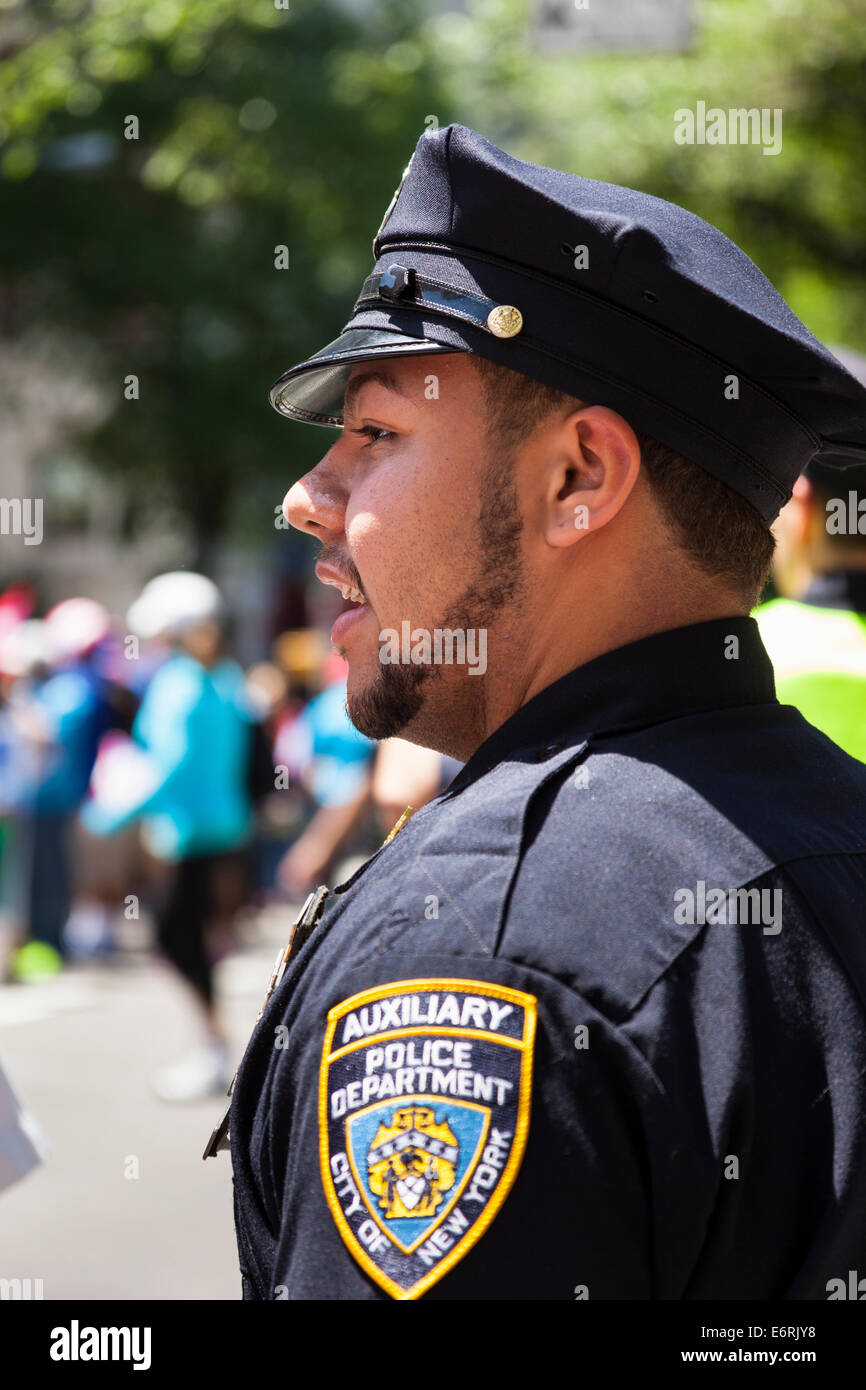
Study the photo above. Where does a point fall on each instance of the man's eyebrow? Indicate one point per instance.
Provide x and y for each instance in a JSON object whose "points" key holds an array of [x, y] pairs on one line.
{"points": [[381, 378]]}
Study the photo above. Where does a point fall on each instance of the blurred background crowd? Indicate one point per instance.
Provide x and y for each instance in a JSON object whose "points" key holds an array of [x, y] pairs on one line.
{"points": [[146, 775], [189, 190]]}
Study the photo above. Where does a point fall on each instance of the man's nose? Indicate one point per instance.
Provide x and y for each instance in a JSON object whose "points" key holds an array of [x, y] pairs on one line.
{"points": [[316, 503]]}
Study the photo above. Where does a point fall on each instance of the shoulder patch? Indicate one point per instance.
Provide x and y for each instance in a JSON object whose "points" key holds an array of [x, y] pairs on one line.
{"points": [[424, 1097]]}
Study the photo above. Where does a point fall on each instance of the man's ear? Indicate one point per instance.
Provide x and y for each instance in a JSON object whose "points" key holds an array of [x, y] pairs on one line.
{"points": [[594, 463]]}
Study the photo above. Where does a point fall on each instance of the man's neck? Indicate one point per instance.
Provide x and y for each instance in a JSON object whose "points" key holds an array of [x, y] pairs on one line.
{"points": [[532, 654], [562, 649]]}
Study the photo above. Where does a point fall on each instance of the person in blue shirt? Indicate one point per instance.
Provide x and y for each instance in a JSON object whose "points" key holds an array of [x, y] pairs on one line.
{"points": [[194, 736], [336, 767], [59, 711]]}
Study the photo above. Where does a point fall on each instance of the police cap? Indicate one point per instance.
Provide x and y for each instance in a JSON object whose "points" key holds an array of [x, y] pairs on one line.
{"points": [[611, 295]]}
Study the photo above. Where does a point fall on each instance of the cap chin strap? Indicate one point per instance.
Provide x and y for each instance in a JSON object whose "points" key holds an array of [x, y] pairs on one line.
{"points": [[400, 285]]}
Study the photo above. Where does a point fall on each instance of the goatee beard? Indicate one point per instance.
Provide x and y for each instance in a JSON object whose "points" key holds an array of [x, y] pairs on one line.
{"points": [[396, 695], [390, 701]]}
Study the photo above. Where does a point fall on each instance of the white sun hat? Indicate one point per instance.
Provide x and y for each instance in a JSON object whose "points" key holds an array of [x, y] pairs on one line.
{"points": [[172, 603]]}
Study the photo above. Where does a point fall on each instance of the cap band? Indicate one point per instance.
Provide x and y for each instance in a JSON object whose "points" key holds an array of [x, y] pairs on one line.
{"points": [[403, 285], [587, 342]]}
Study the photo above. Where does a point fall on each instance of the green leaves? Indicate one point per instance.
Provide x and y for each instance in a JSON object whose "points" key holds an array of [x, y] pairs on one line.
{"points": [[259, 127]]}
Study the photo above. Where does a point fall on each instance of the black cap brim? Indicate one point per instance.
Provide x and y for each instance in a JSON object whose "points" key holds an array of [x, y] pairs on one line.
{"points": [[313, 391]]}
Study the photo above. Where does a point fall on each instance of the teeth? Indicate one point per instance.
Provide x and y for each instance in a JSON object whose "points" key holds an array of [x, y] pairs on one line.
{"points": [[350, 592]]}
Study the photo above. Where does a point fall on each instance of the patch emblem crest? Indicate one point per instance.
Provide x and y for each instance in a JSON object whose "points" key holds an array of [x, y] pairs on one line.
{"points": [[423, 1117]]}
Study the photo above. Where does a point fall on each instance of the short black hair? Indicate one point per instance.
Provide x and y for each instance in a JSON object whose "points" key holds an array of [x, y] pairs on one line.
{"points": [[712, 524]]}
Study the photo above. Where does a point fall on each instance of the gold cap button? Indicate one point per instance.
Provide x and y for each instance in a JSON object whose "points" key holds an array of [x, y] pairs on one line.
{"points": [[505, 321]]}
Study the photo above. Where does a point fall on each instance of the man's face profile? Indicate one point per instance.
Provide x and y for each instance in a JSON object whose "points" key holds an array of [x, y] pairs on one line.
{"points": [[411, 508]]}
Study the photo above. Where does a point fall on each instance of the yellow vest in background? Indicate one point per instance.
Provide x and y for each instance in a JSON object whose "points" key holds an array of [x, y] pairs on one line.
{"points": [[819, 657]]}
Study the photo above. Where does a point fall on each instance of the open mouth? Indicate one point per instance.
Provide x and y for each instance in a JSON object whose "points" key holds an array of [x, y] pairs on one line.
{"points": [[354, 601], [352, 595]]}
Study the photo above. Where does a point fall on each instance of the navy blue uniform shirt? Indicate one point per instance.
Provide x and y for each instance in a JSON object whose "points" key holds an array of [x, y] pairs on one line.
{"points": [[593, 1024]]}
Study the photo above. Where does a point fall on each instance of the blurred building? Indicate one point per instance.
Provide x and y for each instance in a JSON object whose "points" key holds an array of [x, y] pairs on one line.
{"points": [[87, 545], [602, 25]]}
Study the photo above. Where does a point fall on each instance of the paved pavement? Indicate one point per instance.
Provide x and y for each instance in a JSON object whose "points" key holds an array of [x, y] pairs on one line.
{"points": [[79, 1050]]}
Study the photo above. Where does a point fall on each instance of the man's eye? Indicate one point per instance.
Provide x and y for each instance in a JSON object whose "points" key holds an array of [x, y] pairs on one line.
{"points": [[374, 434]]}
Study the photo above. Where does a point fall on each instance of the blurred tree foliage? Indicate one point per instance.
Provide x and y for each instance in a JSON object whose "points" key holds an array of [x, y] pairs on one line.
{"points": [[258, 128], [261, 126], [801, 215]]}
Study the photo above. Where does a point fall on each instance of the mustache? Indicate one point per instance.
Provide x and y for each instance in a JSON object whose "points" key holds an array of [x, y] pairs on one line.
{"points": [[330, 555]]}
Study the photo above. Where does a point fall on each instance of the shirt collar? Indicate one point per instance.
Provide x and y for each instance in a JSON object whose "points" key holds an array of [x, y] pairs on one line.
{"points": [[668, 675]]}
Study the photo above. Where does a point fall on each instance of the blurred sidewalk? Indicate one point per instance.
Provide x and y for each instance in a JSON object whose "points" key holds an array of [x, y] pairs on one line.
{"points": [[79, 1050]]}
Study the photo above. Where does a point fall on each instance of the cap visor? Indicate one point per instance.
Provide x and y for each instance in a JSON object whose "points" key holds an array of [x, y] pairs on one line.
{"points": [[314, 390]]}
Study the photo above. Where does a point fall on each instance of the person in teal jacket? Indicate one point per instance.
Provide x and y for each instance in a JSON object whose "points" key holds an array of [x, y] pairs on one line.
{"points": [[194, 724], [194, 731]]}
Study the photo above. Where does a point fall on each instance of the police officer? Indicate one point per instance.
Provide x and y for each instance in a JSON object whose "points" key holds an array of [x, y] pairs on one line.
{"points": [[815, 631], [593, 1022]]}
